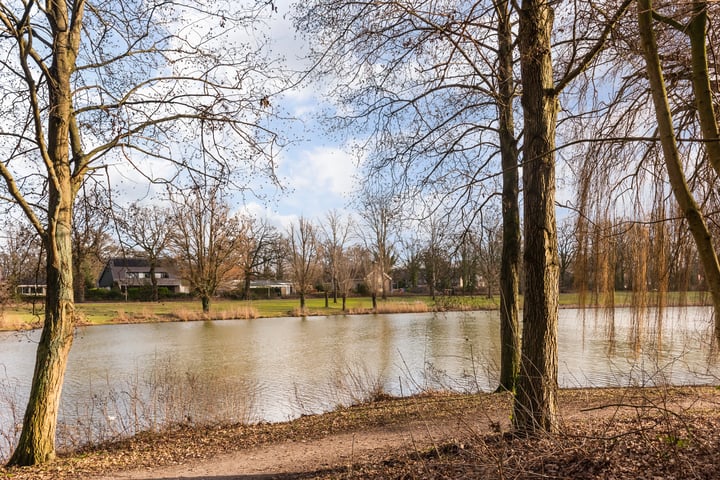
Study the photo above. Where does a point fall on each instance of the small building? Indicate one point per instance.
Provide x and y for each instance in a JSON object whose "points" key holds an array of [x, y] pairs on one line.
{"points": [[271, 288], [26, 289], [124, 273]]}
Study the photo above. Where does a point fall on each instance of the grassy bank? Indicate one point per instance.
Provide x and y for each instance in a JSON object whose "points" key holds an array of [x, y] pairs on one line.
{"points": [[28, 315]]}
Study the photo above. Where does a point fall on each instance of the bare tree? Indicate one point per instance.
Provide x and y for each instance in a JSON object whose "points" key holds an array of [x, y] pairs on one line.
{"points": [[488, 238], [435, 255], [535, 406], [378, 228], [439, 117], [410, 261], [93, 86], [567, 249], [92, 243], [148, 229], [258, 250], [350, 266], [22, 257], [303, 256], [335, 235], [207, 239]]}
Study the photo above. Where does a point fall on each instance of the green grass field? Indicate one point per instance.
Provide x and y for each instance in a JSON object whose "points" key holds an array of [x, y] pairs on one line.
{"points": [[25, 315]]}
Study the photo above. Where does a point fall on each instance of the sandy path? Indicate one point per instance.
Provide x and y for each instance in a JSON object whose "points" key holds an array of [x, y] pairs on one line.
{"points": [[299, 459]]}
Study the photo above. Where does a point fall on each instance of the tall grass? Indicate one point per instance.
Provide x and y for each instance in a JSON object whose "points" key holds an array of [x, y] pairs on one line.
{"points": [[11, 416], [244, 312], [164, 398], [388, 307]]}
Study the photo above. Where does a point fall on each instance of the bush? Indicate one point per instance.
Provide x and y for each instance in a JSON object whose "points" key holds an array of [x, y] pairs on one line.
{"points": [[145, 293], [102, 294]]}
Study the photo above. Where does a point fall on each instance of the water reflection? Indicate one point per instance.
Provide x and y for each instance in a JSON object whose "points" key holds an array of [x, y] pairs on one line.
{"points": [[128, 377]]}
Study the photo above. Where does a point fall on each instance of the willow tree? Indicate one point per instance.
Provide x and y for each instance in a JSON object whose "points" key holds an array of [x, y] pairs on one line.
{"points": [[691, 20], [90, 86]]}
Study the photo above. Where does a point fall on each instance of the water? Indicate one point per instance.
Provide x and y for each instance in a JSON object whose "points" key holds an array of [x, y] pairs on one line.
{"points": [[124, 378]]}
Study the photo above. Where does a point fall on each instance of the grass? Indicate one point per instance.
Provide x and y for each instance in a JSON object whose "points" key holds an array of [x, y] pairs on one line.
{"points": [[27, 315]]}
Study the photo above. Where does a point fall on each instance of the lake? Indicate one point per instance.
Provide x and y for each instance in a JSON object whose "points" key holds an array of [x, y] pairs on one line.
{"points": [[125, 378]]}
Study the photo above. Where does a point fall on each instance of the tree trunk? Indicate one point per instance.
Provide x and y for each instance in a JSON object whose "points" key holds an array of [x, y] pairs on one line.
{"points": [[535, 407], [510, 261], [79, 283], [153, 281], [374, 301], [302, 301], [702, 88], [205, 299], [37, 439], [344, 302], [681, 190], [246, 288]]}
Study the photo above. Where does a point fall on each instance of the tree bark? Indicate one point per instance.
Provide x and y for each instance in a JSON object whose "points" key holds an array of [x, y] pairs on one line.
{"points": [[246, 288], [510, 261], [37, 439], [535, 407], [205, 299], [153, 281], [673, 162], [510, 256]]}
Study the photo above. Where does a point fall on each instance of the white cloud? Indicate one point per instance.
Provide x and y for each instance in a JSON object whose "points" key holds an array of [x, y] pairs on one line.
{"points": [[322, 169]]}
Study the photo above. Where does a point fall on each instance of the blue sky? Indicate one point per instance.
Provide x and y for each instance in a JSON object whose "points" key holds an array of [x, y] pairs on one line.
{"points": [[317, 173]]}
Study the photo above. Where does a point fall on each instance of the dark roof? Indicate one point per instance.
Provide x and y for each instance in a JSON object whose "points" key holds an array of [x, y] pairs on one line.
{"points": [[129, 262]]}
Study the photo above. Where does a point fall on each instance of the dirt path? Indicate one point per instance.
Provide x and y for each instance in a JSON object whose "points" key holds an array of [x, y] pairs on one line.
{"points": [[299, 459]]}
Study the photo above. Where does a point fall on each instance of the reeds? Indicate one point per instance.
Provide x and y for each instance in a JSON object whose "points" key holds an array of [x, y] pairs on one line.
{"points": [[394, 307]]}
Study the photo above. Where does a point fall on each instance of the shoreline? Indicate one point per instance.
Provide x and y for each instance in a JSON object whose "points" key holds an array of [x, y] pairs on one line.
{"points": [[128, 313]]}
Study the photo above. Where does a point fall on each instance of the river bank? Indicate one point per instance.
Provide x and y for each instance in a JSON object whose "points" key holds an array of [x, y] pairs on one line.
{"points": [[29, 315], [605, 433]]}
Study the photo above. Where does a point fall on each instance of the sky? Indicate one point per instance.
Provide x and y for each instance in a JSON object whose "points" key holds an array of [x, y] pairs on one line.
{"points": [[316, 172]]}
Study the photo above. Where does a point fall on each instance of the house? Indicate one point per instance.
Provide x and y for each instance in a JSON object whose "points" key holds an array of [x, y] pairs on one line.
{"points": [[124, 273], [378, 281]]}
